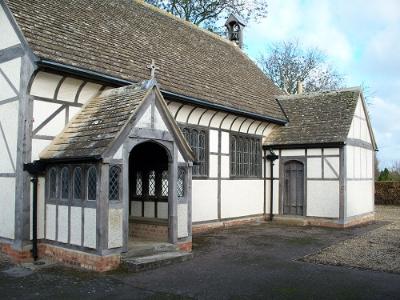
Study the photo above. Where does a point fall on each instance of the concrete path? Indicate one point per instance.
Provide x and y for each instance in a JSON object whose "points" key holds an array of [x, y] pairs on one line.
{"points": [[252, 262]]}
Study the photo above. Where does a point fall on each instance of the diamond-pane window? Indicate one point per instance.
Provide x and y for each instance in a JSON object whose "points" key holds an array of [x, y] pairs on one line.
{"points": [[113, 183], [53, 183], [197, 139], [152, 183], [245, 156], [77, 183], [91, 183], [139, 184], [181, 182], [65, 183], [164, 183]]}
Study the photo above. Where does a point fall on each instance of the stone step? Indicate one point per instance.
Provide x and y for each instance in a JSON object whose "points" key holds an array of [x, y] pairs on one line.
{"points": [[149, 262], [143, 249]]}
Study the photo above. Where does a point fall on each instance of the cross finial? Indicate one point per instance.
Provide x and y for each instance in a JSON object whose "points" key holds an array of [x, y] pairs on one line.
{"points": [[152, 67]]}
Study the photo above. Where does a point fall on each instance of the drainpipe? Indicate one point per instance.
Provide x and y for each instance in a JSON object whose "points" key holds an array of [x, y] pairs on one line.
{"points": [[34, 169], [271, 157]]}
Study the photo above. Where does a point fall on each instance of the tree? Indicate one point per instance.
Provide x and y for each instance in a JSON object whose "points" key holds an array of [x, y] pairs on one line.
{"points": [[206, 13], [288, 63], [384, 175]]}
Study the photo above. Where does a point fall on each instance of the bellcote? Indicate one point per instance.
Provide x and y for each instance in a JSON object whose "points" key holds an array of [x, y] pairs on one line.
{"points": [[235, 30]]}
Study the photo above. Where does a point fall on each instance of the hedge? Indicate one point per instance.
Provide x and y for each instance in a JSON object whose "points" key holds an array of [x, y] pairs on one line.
{"points": [[387, 192]]}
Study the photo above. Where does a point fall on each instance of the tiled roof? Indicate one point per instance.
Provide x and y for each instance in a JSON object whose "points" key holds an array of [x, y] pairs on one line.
{"points": [[119, 38], [92, 131], [316, 118]]}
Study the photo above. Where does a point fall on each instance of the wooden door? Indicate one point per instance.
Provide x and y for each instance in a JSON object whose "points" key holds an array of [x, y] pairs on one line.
{"points": [[293, 195]]}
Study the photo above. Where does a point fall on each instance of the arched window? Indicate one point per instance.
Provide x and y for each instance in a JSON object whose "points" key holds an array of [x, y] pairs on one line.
{"points": [[77, 182], [152, 183], [164, 183], [113, 183], [53, 183], [197, 140], [91, 183], [64, 183], [180, 185], [139, 184]]}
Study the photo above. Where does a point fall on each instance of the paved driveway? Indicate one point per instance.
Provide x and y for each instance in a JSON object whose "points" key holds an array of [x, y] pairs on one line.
{"points": [[251, 262]]}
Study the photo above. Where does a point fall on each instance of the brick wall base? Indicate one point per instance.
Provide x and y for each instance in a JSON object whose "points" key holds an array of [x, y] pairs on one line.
{"points": [[16, 256], [80, 259], [185, 246], [207, 227], [157, 232]]}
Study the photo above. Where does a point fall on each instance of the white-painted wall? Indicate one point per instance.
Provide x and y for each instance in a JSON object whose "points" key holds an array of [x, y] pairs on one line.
{"points": [[323, 199], [182, 213], [115, 238], [359, 127], [76, 226], [89, 230], [8, 36], [204, 200], [241, 198], [7, 207]]}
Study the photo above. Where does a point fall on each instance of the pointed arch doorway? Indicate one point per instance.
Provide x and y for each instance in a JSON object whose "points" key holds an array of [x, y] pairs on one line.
{"points": [[293, 188]]}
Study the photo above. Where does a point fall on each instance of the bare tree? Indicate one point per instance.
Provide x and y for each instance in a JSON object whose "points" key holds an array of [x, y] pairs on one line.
{"points": [[206, 13], [287, 63]]}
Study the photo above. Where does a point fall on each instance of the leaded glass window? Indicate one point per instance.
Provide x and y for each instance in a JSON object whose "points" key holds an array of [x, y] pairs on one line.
{"points": [[77, 182], [53, 183], [139, 184], [164, 184], [64, 183], [113, 183], [181, 182], [91, 183], [197, 140], [152, 183], [245, 156]]}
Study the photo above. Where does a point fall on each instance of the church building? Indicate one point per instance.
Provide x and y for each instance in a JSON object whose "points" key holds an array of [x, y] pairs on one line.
{"points": [[121, 123]]}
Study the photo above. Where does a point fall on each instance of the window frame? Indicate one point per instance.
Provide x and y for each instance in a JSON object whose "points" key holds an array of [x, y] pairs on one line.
{"points": [[206, 164], [87, 182], [246, 160], [119, 172], [61, 183], [49, 172], [82, 183]]}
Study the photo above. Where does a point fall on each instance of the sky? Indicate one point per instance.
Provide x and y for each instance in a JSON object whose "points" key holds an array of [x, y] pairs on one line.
{"points": [[362, 41]]}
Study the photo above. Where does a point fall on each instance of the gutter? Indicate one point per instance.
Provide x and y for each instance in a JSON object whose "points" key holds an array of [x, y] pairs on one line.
{"points": [[170, 95]]}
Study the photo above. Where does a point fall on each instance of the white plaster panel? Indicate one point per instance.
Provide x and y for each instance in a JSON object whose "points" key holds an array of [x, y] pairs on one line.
{"points": [[267, 131], [73, 111], [225, 142], [217, 119], [41, 207], [314, 167], [69, 89], [182, 212], [62, 230], [7, 207], [162, 210], [293, 152], [360, 197], [145, 120], [331, 151], [236, 124], [8, 35], [205, 119], [136, 209], [350, 161], [276, 168], [370, 164], [76, 226], [245, 125], [213, 134], [12, 69], [55, 126], [88, 91], [323, 199], [38, 146], [51, 222], [159, 123], [204, 200], [213, 165], [173, 107], [351, 131], [314, 152], [89, 234], [45, 84], [180, 157], [253, 127], [241, 198], [332, 170], [10, 128], [5, 89], [225, 166], [195, 116], [275, 205], [149, 210], [118, 153], [42, 110], [363, 163], [262, 128], [358, 111], [115, 228], [183, 113], [226, 124], [357, 162]]}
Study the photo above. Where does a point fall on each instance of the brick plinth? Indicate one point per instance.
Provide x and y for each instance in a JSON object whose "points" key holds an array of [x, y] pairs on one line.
{"points": [[157, 232], [80, 259], [16, 256], [185, 246]]}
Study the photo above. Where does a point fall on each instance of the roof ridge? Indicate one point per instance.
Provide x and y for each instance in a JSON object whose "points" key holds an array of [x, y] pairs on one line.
{"points": [[319, 93]]}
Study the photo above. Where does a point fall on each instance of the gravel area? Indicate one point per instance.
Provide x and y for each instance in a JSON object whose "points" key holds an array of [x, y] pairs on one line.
{"points": [[378, 249]]}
